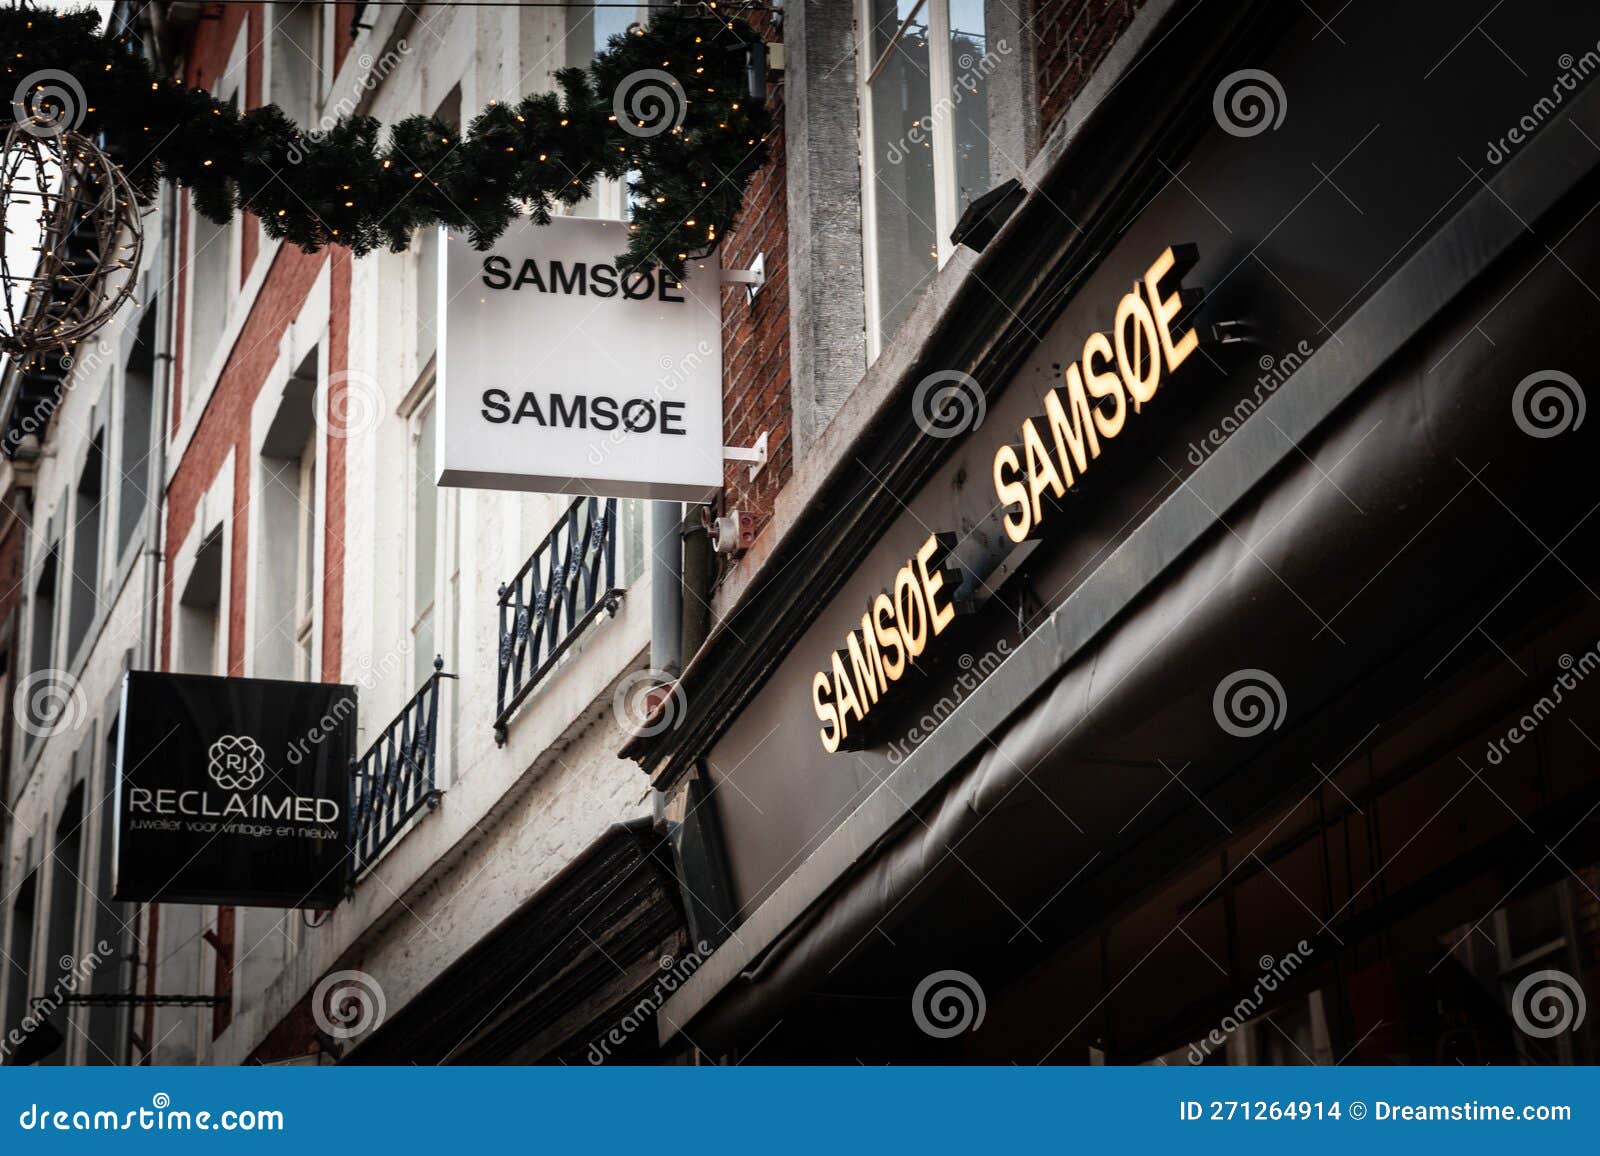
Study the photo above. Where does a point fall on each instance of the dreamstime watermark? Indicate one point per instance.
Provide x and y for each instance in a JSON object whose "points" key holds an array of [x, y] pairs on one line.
{"points": [[948, 1003], [649, 102], [331, 723], [161, 1116], [948, 403], [373, 73], [354, 411], [973, 69], [648, 703], [48, 702], [1273, 973], [346, 1004], [973, 672], [1249, 702], [1574, 71], [1249, 102], [675, 372], [1547, 1003], [38, 416], [1548, 403], [72, 975], [674, 972], [48, 103], [1274, 372], [1575, 670], [370, 672]]}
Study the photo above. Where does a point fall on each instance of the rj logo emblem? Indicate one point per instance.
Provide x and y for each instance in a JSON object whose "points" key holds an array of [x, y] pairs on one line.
{"points": [[237, 763]]}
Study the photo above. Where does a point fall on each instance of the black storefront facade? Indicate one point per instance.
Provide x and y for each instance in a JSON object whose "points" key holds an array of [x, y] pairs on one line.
{"points": [[1277, 741]]}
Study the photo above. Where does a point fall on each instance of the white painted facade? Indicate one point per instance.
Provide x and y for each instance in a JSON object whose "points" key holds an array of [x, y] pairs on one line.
{"points": [[510, 817], [85, 575]]}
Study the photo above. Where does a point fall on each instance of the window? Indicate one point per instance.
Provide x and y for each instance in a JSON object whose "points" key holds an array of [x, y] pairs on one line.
{"points": [[200, 610], [63, 918], [925, 146], [295, 59], [424, 541], [41, 638], [425, 510], [84, 599], [107, 1030], [284, 590], [138, 395], [589, 29], [569, 37], [19, 952], [425, 248], [215, 258], [305, 559], [214, 262]]}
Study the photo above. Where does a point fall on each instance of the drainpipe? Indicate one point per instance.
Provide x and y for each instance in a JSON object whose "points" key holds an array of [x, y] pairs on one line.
{"points": [[666, 618], [699, 569], [666, 589], [155, 509], [155, 491]]}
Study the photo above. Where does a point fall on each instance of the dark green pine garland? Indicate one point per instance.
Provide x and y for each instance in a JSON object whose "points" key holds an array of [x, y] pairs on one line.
{"points": [[343, 186]]}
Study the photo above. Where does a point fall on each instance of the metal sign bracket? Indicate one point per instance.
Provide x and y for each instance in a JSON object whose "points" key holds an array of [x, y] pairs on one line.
{"points": [[756, 455], [752, 278]]}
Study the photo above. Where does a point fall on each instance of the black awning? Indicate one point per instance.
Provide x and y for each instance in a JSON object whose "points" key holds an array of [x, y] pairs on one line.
{"points": [[558, 975], [1440, 508]]}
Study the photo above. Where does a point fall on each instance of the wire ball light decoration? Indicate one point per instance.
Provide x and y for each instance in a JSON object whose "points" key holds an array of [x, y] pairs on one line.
{"points": [[70, 228]]}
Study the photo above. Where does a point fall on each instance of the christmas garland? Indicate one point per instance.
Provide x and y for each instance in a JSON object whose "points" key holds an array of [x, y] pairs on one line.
{"points": [[664, 106]]}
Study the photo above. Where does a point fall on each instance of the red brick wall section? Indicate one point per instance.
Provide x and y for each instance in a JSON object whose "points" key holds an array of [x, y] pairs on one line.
{"points": [[250, 239], [343, 14], [1071, 38], [755, 337], [333, 515]]}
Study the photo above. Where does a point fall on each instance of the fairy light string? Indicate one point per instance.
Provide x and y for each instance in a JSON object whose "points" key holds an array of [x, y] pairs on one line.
{"points": [[661, 106]]}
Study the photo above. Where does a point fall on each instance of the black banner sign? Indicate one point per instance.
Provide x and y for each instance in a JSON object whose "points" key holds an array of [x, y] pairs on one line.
{"points": [[233, 790]]}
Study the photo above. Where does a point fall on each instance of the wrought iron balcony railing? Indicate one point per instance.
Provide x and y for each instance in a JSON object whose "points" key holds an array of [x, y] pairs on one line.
{"points": [[395, 778], [570, 578]]}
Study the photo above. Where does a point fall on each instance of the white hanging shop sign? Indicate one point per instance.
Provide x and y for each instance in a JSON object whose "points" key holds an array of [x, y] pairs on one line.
{"points": [[559, 373]]}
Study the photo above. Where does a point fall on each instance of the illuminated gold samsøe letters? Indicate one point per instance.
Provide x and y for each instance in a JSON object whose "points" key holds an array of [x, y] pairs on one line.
{"points": [[894, 630], [1143, 349], [1113, 374]]}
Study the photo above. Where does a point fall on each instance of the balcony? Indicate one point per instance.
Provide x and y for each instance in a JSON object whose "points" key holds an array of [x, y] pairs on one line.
{"points": [[395, 778], [569, 579]]}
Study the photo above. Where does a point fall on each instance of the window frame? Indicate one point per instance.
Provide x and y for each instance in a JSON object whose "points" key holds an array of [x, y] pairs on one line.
{"points": [[317, 91], [946, 195], [138, 481], [305, 345], [423, 398], [230, 85], [608, 197], [306, 568], [73, 501]]}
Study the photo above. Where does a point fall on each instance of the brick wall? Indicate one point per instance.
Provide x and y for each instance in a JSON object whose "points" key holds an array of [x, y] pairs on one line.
{"points": [[333, 517], [755, 337], [1071, 38]]}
